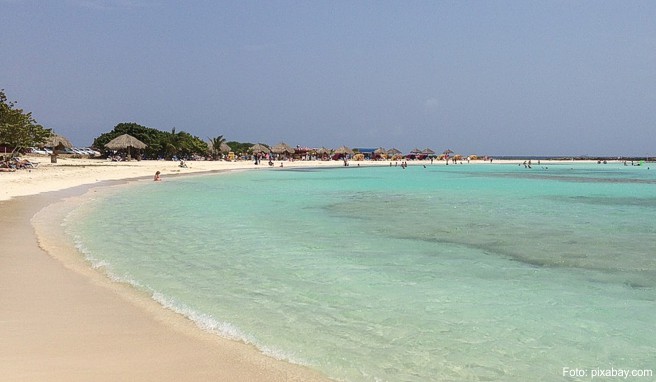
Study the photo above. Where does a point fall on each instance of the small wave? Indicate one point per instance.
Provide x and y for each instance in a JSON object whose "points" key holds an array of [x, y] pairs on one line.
{"points": [[210, 324], [202, 320]]}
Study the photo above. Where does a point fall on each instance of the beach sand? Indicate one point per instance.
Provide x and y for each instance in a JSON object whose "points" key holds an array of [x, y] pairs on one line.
{"points": [[63, 321]]}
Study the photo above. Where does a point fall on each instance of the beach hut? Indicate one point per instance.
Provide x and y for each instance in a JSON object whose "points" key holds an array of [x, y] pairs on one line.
{"points": [[380, 153], [282, 149], [58, 144], [125, 142], [56, 140], [394, 154], [344, 151], [323, 152], [393, 151], [224, 148], [259, 148]]}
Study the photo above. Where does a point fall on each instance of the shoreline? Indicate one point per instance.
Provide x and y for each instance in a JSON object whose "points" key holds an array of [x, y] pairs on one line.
{"points": [[65, 320], [71, 172]]}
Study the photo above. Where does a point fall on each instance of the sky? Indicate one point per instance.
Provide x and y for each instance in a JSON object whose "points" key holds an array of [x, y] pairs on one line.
{"points": [[478, 77]]}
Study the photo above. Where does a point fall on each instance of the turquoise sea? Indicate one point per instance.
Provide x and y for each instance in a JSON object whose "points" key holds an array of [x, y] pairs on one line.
{"points": [[489, 272]]}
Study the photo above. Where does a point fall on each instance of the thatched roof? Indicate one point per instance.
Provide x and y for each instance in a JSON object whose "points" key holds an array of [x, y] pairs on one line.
{"points": [[282, 148], [343, 150], [57, 140], [428, 151], [260, 148], [380, 151], [393, 151], [124, 141], [224, 148], [323, 151]]}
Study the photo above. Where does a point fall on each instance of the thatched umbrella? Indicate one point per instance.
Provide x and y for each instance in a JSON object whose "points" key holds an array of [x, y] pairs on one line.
{"points": [[380, 151], [125, 141], [393, 151], [57, 141], [224, 148], [344, 150], [415, 151], [447, 152], [428, 151], [282, 148], [260, 148], [323, 151]]}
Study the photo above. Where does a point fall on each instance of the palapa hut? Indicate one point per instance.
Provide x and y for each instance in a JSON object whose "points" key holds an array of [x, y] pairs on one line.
{"points": [[380, 153], [125, 142], [344, 151], [259, 148], [282, 149], [446, 153], [394, 153], [323, 152], [428, 152], [58, 143], [224, 148]]}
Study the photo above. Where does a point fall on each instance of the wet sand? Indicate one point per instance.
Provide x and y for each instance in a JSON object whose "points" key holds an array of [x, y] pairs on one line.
{"points": [[63, 321]]}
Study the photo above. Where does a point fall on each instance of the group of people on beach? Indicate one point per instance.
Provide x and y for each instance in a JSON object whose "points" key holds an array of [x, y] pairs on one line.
{"points": [[13, 164]]}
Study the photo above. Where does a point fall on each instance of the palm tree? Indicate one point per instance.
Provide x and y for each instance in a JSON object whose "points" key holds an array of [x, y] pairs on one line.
{"points": [[215, 146]]}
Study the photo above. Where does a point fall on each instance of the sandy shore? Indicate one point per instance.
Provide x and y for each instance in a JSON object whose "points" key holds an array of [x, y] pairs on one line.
{"points": [[63, 321], [70, 172]]}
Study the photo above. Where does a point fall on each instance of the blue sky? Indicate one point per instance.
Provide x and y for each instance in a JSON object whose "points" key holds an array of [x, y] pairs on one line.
{"points": [[484, 77]]}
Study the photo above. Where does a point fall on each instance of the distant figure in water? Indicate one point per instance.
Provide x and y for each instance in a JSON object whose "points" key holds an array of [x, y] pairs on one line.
{"points": [[157, 178]]}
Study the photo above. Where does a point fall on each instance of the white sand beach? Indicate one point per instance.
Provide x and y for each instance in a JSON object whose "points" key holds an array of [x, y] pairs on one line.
{"points": [[63, 321]]}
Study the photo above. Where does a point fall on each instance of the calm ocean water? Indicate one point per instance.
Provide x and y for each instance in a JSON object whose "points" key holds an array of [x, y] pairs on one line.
{"points": [[460, 272]]}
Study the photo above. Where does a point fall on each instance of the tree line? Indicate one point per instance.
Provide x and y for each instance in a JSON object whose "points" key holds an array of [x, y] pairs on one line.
{"points": [[19, 130]]}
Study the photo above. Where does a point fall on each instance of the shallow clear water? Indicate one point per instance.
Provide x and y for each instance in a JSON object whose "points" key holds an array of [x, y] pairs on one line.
{"points": [[460, 272]]}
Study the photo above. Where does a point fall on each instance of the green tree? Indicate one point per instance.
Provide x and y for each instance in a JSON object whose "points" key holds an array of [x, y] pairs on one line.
{"points": [[19, 129], [215, 146], [161, 144], [240, 148]]}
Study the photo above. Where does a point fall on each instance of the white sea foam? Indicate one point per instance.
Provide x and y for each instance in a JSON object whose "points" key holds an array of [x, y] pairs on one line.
{"points": [[210, 324], [204, 321]]}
